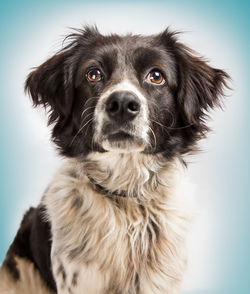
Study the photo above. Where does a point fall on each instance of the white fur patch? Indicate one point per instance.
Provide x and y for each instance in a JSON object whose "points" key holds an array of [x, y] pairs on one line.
{"points": [[124, 85]]}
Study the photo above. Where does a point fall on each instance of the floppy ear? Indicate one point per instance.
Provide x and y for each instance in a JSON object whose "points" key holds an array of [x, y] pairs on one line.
{"points": [[50, 85], [199, 86]]}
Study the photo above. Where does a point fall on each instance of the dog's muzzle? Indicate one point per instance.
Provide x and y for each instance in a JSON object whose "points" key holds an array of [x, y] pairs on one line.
{"points": [[121, 122]]}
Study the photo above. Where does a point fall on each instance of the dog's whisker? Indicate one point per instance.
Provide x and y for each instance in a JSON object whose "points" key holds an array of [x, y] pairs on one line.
{"points": [[88, 108], [161, 125], [171, 114], [80, 131], [90, 100], [154, 147], [180, 128], [85, 117], [88, 128], [171, 128], [162, 109]]}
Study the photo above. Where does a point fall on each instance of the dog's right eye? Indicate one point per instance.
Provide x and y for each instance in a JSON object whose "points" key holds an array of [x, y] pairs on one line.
{"points": [[155, 77], [94, 75]]}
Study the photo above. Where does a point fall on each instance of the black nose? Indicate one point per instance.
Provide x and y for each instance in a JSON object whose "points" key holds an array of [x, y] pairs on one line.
{"points": [[122, 106]]}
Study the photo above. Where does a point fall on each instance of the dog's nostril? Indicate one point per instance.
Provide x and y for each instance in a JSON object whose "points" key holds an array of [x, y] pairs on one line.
{"points": [[113, 106], [133, 106]]}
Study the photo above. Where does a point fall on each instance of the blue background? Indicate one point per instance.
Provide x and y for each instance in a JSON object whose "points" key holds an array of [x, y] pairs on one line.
{"points": [[29, 30]]}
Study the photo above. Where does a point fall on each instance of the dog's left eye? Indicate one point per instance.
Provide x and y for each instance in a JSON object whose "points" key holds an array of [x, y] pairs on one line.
{"points": [[155, 77], [94, 75]]}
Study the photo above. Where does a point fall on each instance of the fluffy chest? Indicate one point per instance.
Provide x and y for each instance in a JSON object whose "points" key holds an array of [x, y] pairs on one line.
{"points": [[103, 245], [117, 257]]}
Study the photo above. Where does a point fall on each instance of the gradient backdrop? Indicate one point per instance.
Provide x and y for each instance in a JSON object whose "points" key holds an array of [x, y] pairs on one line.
{"points": [[31, 31]]}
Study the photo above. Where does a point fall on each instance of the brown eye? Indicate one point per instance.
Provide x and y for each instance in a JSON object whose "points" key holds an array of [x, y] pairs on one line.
{"points": [[94, 75], [155, 77]]}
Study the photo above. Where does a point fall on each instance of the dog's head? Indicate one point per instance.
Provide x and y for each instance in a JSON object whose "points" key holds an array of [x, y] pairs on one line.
{"points": [[129, 93]]}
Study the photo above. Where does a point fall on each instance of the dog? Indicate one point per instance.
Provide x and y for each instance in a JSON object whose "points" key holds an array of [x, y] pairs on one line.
{"points": [[126, 112]]}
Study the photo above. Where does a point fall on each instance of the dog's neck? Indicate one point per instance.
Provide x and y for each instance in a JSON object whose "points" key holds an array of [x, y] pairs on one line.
{"points": [[126, 174]]}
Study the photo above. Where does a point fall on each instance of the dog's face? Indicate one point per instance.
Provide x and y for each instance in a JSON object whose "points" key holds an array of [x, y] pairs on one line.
{"points": [[126, 94]]}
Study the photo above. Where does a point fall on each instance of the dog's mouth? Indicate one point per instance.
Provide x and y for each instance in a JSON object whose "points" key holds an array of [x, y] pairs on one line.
{"points": [[122, 141], [120, 136]]}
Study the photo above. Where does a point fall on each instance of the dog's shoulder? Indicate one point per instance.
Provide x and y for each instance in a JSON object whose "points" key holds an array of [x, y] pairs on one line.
{"points": [[32, 244]]}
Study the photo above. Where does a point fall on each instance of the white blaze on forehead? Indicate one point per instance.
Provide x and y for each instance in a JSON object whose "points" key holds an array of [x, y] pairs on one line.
{"points": [[124, 85]]}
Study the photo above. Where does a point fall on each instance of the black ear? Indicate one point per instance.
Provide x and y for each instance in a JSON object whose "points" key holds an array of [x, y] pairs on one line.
{"points": [[50, 85], [199, 86]]}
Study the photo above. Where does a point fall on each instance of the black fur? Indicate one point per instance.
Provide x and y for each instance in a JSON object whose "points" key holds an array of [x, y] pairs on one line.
{"points": [[32, 242]]}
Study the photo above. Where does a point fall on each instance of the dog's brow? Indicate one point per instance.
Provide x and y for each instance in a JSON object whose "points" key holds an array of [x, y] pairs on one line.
{"points": [[145, 58], [109, 60], [144, 55], [106, 59]]}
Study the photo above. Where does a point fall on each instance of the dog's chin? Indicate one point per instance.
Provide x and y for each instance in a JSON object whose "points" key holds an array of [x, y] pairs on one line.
{"points": [[121, 142]]}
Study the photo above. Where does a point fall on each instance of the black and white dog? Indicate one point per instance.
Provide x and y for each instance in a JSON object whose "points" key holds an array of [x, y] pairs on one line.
{"points": [[125, 111]]}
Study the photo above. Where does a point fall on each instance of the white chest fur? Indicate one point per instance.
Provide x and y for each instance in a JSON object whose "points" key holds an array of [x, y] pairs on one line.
{"points": [[115, 245]]}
